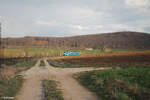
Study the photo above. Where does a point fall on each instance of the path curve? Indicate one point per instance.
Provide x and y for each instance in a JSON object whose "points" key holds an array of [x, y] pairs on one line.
{"points": [[72, 90]]}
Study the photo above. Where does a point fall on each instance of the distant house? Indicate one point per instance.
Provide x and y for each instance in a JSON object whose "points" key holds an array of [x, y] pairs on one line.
{"points": [[88, 48]]}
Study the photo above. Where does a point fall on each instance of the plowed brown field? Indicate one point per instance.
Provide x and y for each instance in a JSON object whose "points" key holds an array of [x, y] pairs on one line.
{"points": [[115, 59]]}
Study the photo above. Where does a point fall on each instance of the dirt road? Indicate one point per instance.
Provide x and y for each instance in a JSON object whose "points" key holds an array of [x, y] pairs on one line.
{"points": [[32, 88], [72, 90]]}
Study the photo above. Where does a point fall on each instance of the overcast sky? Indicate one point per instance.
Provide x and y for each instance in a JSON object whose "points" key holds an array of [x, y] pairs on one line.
{"points": [[72, 17]]}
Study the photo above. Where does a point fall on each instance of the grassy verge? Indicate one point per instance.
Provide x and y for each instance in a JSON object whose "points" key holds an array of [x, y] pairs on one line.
{"points": [[27, 63], [119, 84], [42, 63], [18, 62], [11, 61], [10, 86], [10, 82], [65, 65], [50, 90]]}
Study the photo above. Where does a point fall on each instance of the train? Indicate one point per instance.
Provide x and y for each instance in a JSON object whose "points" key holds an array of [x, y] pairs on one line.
{"points": [[71, 54]]}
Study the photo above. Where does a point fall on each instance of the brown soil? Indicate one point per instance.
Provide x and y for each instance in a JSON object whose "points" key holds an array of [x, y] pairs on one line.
{"points": [[116, 59]]}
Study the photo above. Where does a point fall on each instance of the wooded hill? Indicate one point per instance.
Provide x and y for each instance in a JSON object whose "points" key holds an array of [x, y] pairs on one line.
{"points": [[116, 40]]}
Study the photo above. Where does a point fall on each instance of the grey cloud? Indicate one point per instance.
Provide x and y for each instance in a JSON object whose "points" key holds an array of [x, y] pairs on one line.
{"points": [[70, 17]]}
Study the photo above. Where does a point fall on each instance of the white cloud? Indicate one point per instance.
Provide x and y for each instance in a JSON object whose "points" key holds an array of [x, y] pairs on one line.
{"points": [[45, 23], [137, 3], [99, 26], [87, 27], [125, 27], [79, 27], [121, 26]]}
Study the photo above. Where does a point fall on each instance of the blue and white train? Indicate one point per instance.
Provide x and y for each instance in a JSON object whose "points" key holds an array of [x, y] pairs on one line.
{"points": [[71, 54]]}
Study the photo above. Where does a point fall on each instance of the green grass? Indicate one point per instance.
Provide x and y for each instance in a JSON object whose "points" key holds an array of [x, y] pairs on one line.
{"points": [[98, 51], [42, 63], [50, 90], [122, 50], [10, 86], [83, 51], [131, 83]]}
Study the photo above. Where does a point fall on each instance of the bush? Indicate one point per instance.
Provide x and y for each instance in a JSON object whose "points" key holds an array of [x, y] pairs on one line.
{"points": [[10, 86]]}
